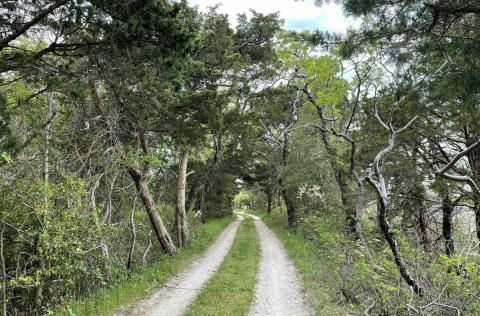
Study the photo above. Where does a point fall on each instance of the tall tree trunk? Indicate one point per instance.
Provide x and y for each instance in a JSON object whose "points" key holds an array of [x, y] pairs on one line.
{"points": [[447, 210], [288, 202], [350, 210], [201, 180], [423, 219], [157, 223], [203, 205], [180, 216], [269, 202]]}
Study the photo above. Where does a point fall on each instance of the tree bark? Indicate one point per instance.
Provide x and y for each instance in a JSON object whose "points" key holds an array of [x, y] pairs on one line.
{"points": [[447, 209], [203, 205], [269, 202], [288, 202], [392, 242], [157, 223], [180, 216], [134, 235]]}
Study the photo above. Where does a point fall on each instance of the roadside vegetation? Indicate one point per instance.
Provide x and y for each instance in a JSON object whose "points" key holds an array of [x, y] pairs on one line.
{"points": [[230, 291], [125, 125], [124, 292]]}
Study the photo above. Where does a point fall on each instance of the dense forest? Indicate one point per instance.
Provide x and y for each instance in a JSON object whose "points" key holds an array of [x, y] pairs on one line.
{"points": [[127, 124]]}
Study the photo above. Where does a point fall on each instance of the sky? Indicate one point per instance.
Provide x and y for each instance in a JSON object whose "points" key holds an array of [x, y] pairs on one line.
{"points": [[298, 15]]}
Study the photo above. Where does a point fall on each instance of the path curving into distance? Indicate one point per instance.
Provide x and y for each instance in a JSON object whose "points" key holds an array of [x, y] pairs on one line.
{"points": [[279, 290], [180, 292]]}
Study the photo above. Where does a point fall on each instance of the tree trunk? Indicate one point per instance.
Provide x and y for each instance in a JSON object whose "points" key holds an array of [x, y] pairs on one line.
{"points": [[93, 201], [144, 259], [350, 213], [4, 275], [476, 208], [392, 242], [201, 180], [180, 216], [269, 202], [191, 194], [447, 209], [288, 203], [203, 206], [134, 235], [157, 223]]}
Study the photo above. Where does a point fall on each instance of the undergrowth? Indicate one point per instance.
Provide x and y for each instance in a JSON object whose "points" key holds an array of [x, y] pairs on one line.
{"points": [[126, 291], [341, 279]]}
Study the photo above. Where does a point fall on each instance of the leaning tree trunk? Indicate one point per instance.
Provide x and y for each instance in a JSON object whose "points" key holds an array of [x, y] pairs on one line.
{"points": [[447, 209], [180, 216], [392, 241], [157, 223], [139, 177]]}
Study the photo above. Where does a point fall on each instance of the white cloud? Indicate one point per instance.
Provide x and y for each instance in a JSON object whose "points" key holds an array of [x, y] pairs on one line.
{"points": [[298, 15]]}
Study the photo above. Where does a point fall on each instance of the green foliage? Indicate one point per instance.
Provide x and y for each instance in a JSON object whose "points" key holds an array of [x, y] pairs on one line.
{"points": [[128, 289], [52, 239]]}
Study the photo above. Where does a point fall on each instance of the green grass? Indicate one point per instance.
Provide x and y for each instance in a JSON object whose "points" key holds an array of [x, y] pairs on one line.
{"points": [[230, 291], [127, 292], [315, 269]]}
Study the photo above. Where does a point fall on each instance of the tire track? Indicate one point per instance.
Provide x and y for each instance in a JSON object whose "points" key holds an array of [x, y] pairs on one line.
{"points": [[279, 290], [180, 292]]}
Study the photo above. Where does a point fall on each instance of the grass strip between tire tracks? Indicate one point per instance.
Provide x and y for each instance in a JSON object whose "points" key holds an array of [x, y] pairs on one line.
{"points": [[127, 292], [230, 291]]}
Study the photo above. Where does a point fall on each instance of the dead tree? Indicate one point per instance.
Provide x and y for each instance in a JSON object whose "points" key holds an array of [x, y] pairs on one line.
{"points": [[383, 198]]}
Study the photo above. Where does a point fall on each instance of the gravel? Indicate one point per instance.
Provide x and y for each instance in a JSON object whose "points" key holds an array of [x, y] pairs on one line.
{"points": [[279, 290], [178, 294]]}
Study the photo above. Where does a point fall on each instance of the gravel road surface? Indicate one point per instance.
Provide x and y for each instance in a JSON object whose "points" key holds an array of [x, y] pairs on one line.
{"points": [[279, 290], [180, 292]]}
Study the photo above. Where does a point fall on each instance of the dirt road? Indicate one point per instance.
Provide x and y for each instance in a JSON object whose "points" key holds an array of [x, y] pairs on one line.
{"points": [[179, 293], [279, 290]]}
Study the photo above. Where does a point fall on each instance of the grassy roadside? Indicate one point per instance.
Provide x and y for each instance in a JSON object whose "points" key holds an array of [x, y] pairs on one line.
{"points": [[126, 292], [316, 273], [230, 291]]}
